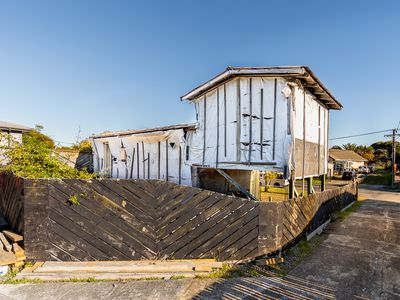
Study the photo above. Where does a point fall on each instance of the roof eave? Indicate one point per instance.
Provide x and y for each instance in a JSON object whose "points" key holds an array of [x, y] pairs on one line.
{"points": [[189, 126], [302, 72], [234, 71]]}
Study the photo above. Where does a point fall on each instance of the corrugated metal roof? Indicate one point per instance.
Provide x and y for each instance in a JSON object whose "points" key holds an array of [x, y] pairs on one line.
{"points": [[8, 125], [304, 73], [188, 126], [347, 155]]}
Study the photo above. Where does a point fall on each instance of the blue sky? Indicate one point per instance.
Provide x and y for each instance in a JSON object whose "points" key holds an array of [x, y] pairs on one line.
{"points": [[113, 65]]}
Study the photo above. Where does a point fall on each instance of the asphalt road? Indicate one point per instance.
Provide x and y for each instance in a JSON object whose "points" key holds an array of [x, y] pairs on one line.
{"points": [[359, 259]]}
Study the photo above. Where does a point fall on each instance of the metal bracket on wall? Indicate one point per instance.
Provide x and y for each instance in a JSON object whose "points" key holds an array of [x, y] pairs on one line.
{"points": [[236, 184]]}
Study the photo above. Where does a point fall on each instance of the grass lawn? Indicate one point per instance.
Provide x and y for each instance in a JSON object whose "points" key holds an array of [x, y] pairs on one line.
{"points": [[277, 194], [382, 178]]}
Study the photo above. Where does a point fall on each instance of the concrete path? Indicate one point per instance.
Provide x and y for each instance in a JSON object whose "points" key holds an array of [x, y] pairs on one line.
{"points": [[359, 259], [361, 256]]}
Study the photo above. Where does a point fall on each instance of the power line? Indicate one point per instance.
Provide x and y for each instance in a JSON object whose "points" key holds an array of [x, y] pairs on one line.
{"points": [[361, 134]]}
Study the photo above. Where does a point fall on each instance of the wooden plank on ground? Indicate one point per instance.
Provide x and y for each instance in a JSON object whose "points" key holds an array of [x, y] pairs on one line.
{"points": [[128, 267], [6, 245], [18, 251], [104, 276], [11, 235]]}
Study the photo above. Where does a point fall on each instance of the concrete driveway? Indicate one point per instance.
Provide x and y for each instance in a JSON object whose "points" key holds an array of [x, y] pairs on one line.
{"points": [[359, 259], [361, 256]]}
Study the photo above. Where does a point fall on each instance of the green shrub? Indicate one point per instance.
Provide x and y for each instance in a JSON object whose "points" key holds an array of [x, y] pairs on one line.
{"points": [[33, 158]]}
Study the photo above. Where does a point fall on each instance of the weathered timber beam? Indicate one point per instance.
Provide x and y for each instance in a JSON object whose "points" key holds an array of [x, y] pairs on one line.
{"points": [[237, 185]]}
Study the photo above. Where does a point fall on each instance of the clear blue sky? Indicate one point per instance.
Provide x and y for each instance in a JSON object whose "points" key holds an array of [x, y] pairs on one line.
{"points": [[113, 65]]}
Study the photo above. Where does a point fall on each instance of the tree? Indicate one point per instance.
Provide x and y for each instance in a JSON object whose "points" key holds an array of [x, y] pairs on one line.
{"points": [[33, 158], [337, 147], [350, 146], [40, 137], [385, 147], [366, 152]]}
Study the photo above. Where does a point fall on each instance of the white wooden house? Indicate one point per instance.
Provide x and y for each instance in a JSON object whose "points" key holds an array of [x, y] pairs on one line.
{"points": [[249, 120], [345, 159], [263, 118], [154, 153]]}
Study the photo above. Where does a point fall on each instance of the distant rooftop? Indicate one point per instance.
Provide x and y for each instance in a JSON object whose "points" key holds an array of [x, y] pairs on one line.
{"points": [[189, 126], [304, 73], [12, 126], [347, 155]]}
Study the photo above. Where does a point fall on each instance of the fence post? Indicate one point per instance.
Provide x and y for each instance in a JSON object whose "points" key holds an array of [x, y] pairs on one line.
{"points": [[36, 218], [270, 220]]}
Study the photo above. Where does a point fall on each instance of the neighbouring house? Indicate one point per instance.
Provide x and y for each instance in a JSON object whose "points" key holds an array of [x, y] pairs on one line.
{"points": [[13, 130], [249, 121], [10, 132], [345, 159]]}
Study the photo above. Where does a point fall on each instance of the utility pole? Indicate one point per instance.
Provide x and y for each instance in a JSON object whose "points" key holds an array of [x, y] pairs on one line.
{"points": [[393, 136], [78, 137]]}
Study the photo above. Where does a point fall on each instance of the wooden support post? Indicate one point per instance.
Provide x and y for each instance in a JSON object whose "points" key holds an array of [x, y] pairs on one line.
{"points": [[148, 165], [143, 162], [137, 152], [225, 146], [159, 160], [238, 122], [304, 145], [309, 185], [261, 123], [322, 177], [133, 161], [319, 140], [180, 164], [255, 184], [274, 125], [251, 121], [204, 129], [195, 178], [291, 187], [166, 161], [217, 150]]}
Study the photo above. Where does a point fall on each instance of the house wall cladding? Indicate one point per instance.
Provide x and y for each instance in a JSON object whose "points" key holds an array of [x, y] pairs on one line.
{"points": [[81, 220], [248, 123]]}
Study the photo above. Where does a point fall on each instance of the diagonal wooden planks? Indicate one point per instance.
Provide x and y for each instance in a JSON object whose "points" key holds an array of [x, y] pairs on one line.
{"points": [[11, 200], [142, 219], [152, 219]]}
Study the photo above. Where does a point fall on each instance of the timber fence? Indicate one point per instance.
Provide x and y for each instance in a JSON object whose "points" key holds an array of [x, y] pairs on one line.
{"points": [[106, 219]]}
